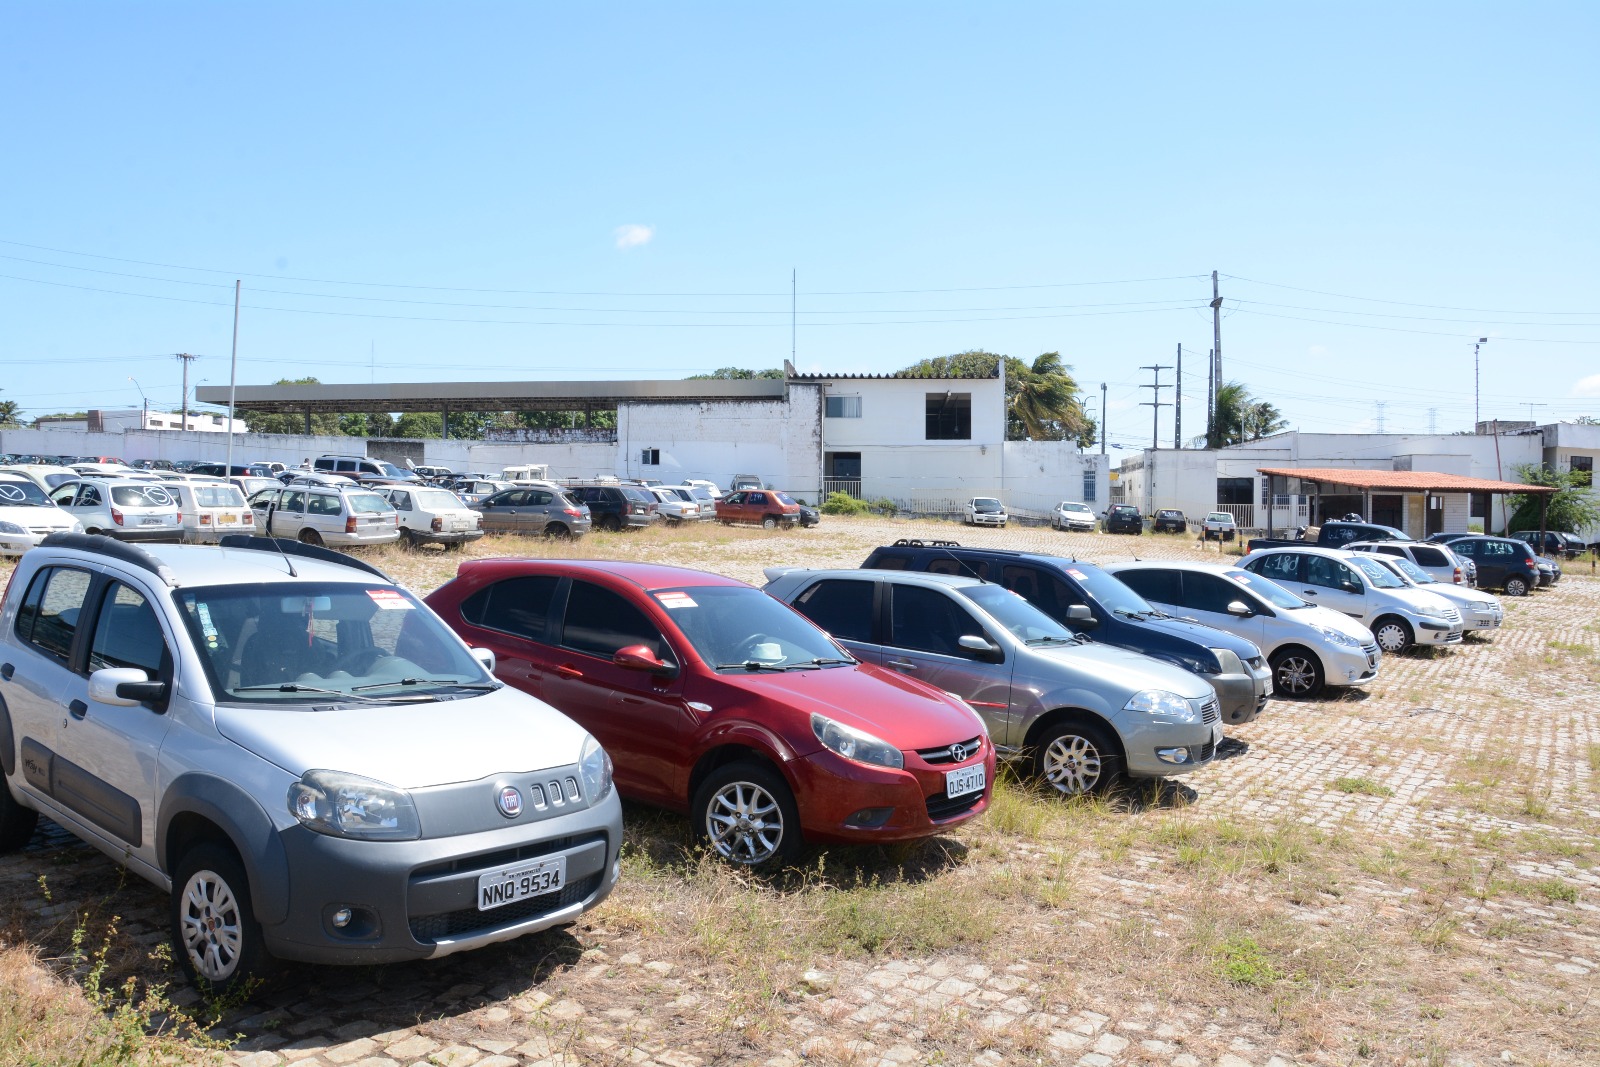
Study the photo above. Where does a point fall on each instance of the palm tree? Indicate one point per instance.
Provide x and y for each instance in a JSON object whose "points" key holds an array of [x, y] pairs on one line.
{"points": [[1238, 417], [10, 412], [1043, 400], [1263, 419]]}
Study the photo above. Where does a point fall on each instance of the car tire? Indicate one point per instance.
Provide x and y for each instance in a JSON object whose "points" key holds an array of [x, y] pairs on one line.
{"points": [[1393, 634], [610, 523], [1516, 585], [214, 930], [559, 531], [1296, 672], [769, 522], [311, 537], [1077, 759], [723, 809], [16, 821], [409, 539]]}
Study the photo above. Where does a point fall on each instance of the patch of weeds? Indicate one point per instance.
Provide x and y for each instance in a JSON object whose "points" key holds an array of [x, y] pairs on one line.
{"points": [[1505, 929], [1241, 961], [1364, 786], [1556, 891], [1570, 646], [1594, 760]]}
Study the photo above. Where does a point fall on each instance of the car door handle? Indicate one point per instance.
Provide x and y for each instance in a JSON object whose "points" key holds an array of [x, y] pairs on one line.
{"points": [[78, 708], [566, 670], [1309, 592], [902, 664], [6, 671]]}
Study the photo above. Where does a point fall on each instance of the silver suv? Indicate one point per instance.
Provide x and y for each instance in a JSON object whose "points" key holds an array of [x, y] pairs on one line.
{"points": [[297, 749], [1081, 714]]}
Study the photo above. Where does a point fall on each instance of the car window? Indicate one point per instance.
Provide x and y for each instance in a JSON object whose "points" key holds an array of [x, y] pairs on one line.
{"points": [[1389, 550], [538, 498], [20, 494], [293, 501], [1207, 592], [928, 621], [1029, 584], [401, 501], [1280, 567], [756, 498], [733, 625], [127, 634], [1377, 574], [322, 504], [347, 466], [436, 500], [518, 606], [368, 504], [600, 622], [48, 618], [64, 495], [141, 496], [1329, 573], [841, 606], [88, 495], [218, 496], [1161, 586]]}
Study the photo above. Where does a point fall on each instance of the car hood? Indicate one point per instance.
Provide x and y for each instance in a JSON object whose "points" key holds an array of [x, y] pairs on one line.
{"points": [[1458, 594], [410, 745], [1099, 667], [51, 516], [1420, 599], [1330, 619], [900, 711], [1183, 631]]}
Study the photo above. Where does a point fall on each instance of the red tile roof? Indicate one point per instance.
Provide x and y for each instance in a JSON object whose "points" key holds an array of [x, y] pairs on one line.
{"points": [[1414, 481]]}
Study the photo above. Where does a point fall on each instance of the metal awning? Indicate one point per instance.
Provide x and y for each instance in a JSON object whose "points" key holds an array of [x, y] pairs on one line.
{"points": [[486, 396], [1373, 481]]}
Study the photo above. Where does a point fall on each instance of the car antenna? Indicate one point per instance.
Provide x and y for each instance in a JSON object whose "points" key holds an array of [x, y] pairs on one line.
{"points": [[277, 543]]}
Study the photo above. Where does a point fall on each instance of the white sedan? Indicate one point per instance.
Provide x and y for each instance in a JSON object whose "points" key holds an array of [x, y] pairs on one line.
{"points": [[1220, 526], [27, 516], [985, 511]]}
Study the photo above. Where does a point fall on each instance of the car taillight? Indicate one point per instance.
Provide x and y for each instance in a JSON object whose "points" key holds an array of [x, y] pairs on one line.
{"points": [[574, 512], [178, 518], [205, 520], [116, 516], [437, 524], [350, 524], [1458, 576]]}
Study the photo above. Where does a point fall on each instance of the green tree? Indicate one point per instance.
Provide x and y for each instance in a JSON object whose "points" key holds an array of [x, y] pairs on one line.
{"points": [[1240, 417], [563, 420], [322, 422], [1572, 507], [10, 412], [1041, 398], [736, 374]]}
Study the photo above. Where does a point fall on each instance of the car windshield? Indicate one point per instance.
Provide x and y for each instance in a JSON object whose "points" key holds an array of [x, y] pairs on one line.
{"points": [[736, 627], [1380, 576], [1075, 507], [20, 494], [218, 496], [1025, 622], [1411, 570], [141, 496], [639, 494], [785, 498], [1219, 516], [1267, 590], [1169, 514], [701, 494], [367, 503], [312, 642], [436, 500], [394, 472], [986, 504]]}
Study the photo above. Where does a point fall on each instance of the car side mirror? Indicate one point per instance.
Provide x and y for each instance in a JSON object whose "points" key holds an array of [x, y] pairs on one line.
{"points": [[640, 658], [1079, 615], [125, 687], [1350, 587], [485, 657], [1240, 608], [984, 648]]}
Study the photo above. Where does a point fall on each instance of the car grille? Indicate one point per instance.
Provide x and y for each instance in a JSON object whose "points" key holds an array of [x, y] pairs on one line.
{"points": [[942, 807], [1372, 654], [1256, 663], [1452, 615], [936, 756], [1211, 711], [453, 924], [1202, 753]]}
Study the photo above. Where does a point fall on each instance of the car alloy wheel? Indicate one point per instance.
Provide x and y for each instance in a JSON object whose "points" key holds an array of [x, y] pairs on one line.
{"points": [[748, 814], [1392, 634], [1516, 587], [1075, 760], [1296, 674]]}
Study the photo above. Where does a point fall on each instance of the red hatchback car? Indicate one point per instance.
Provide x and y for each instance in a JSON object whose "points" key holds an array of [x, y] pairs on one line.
{"points": [[715, 699]]}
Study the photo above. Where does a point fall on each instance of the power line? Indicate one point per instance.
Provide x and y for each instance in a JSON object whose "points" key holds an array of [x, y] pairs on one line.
{"points": [[1414, 318], [1399, 329], [1401, 303]]}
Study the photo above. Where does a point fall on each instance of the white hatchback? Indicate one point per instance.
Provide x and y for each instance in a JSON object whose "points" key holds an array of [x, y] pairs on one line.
{"points": [[27, 516], [435, 516], [1479, 610], [210, 509], [984, 511], [122, 508]]}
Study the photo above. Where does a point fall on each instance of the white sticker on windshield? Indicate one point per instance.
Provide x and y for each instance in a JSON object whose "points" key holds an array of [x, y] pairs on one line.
{"points": [[1078, 574], [1242, 579], [389, 600], [676, 600]]}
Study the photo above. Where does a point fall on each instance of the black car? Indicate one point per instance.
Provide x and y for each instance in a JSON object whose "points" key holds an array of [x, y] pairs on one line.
{"points": [[617, 507], [1087, 600], [1503, 563], [1169, 520], [1124, 518], [809, 516], [1554, 543]]}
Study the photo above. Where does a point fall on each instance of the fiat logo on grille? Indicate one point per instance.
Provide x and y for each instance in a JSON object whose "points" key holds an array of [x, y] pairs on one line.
{"points": [[510, 802], [959, 752]]}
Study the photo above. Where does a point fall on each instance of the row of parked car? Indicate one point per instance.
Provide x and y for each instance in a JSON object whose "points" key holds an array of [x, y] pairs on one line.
{"points": [[237, 722]]}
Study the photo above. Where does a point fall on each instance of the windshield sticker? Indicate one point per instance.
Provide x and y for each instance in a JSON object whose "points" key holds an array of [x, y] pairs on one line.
{"points": [[389, 600], [1078, 574], [676, 600], [207, 627], [1242, 579]]}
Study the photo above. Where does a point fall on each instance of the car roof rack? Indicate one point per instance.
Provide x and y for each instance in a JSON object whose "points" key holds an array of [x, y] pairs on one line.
{"points": [[102, 545], [286, 547], [917, 542]]}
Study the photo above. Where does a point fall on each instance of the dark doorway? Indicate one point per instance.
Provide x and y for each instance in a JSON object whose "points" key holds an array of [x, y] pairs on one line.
{"points": [[1388, 510]]}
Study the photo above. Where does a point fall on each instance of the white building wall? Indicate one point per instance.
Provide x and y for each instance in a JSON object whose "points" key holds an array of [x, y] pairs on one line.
{"points": [[778, 441], [1040, 474], [894, 411]]}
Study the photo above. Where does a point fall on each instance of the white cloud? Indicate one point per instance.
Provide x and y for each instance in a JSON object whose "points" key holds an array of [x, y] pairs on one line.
{"points": [[633, 235], [1589, 386]]}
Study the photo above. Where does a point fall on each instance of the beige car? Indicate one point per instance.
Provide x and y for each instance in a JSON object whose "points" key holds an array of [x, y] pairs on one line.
{"points": [[327, 515], [210, 508]]}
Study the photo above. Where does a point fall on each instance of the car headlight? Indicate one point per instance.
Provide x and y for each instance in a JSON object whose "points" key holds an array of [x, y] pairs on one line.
{"points": [[11, 528], [1197, 663], [1434, 613], [1160, 702], [853, 744], [1336, 636], [594, 764], [347, 805], [77, 527]]}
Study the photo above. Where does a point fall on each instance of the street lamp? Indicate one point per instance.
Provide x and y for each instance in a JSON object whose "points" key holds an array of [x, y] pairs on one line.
{"points": [[144, 421], [1475, 392], [1102, 418]]}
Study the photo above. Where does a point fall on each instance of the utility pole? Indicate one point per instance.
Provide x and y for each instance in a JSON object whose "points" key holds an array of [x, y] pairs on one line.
{"points": [[186, 359], [1476, 415], [1380, 405], [1102, 418], [233, 378], [1157, 404], [1177, 403], [1211, 398], [1216, 343]]}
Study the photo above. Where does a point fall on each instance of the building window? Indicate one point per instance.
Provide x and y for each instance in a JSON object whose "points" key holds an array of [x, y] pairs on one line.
{"points": [[650, 457], [1583, 466], [1088, 486], [949, 416], [843, 407], [1237, 491]]}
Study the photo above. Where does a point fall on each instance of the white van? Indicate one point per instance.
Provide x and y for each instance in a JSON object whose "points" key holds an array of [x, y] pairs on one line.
{"points": [[1398, 615]]}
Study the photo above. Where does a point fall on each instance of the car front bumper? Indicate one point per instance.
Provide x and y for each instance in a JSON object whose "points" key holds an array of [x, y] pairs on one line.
{"points": [[987, 520], [418, 899], [847, 802], [1151, 748], [1242, 696]]}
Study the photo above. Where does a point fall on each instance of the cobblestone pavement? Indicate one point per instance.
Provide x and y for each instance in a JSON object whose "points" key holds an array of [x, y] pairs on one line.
{"points": [[591, 994]]}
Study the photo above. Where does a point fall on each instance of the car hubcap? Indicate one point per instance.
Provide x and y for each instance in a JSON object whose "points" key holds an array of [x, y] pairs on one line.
{"points": [[744, 823], [1295, 675], [1072, 764], [1392, 638], [211, 928]]}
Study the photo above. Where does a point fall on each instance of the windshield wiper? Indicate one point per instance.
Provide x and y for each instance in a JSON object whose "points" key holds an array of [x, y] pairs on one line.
{"points": [[1033, 641], [831, 661], [483, 687], [757, 665], [294, 687], [1127, 614]]}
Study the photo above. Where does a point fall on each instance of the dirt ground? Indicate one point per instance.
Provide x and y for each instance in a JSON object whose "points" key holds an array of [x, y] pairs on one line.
{"points": [[1406, 874]]}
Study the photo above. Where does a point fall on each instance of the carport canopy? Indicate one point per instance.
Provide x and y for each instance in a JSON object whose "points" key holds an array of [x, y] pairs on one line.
{"points": [[1312, 479]]}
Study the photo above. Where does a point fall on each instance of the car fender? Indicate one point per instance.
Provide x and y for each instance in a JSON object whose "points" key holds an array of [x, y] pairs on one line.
{"points": [[248, 827], [749, 735]]}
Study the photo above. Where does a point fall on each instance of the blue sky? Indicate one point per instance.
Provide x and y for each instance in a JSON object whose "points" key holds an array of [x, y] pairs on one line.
{"points": [[494, 191]]}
